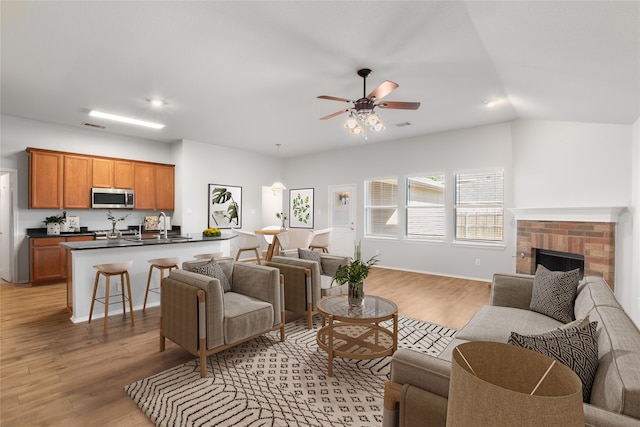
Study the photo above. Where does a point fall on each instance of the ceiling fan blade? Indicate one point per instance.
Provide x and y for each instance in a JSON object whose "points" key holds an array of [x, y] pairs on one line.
{"points": [[333, 98], [383, 90], [400, 105], [330, 116]]}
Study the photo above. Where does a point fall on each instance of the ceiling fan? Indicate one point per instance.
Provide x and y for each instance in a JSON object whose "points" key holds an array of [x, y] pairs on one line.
{"points": [[362, 112]]}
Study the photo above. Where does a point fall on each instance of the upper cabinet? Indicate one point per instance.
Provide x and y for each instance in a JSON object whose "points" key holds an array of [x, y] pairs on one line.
{"points": [[45, 179], [77, 178], [110, 173], [154, 186], [59, 180]]}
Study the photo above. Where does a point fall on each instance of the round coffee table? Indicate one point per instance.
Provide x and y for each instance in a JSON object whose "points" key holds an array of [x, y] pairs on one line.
{"points": [[355, 332]]}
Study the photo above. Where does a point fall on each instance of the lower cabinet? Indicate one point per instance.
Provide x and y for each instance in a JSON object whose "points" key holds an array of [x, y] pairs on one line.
{"points": [[47, 259]]}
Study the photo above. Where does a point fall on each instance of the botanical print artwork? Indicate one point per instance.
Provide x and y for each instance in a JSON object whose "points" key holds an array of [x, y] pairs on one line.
{"points": [[301, 208], [225, 206]]}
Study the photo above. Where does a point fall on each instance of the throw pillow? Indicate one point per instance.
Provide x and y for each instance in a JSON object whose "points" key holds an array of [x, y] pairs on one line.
{"points": [[311, 256], [577, 322], [575, 347], [554, 293], [213, 269]]}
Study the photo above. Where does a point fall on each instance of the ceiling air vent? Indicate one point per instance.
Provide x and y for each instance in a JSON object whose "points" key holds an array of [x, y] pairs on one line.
{"points": [[93, 125], [402, 124]]}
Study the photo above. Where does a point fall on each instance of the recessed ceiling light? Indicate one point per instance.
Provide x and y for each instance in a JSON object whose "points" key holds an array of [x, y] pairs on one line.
{"points": [[157, 102], [491, 102], [94, 113]]}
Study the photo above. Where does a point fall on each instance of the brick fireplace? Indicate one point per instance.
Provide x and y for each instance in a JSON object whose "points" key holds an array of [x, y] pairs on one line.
{"points": [[586, 234]]}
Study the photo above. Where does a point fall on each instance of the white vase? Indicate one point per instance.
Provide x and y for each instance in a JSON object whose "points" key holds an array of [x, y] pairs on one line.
{"points": [[53, 228]]}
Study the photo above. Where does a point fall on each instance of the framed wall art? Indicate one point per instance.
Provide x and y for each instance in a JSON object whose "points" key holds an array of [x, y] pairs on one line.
{"points": [[301, 208], [225, 206]]}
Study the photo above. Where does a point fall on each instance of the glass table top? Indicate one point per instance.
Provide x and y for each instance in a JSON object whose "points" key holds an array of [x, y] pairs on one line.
{"points": [[373, 307]]}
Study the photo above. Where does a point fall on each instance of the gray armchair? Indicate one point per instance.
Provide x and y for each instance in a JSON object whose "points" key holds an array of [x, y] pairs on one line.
{"points": [[200, 317], [304, 283]]}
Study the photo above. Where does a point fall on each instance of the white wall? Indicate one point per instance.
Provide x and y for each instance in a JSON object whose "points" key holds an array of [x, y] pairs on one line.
{"points": [[631, 293], [476, 148]]}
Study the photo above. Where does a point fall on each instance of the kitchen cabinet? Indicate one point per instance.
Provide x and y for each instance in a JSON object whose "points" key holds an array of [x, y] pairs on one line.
{"points": [[102, 175], [110, 173], [77, 180], [45, 179], [165, 187], [47, 259], [122, 174], [154, 186], [61, 180]]}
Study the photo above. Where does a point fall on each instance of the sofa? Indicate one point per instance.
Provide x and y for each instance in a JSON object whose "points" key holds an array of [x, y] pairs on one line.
{"points": [[419, 384], [212, 305]]}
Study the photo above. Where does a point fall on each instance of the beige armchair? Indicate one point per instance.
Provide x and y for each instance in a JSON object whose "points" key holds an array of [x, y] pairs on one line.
{"points": [[200, 317], [304, 283], [247, 241]]}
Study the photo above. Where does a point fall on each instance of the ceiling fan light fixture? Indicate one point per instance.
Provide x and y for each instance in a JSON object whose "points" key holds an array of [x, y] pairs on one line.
{"points": [[351, 123], [373, 120], [378, 127], [356, 130]]}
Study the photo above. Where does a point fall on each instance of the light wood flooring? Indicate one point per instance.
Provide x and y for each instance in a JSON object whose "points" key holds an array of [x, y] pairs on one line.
{"points": [[56, 373]]}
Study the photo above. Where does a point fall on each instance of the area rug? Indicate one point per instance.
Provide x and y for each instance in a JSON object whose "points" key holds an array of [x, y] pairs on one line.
{"points": [[265, 382]]}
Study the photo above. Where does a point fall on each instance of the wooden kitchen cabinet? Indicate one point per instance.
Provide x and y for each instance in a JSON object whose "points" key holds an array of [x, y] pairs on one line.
{"points": [[102, 175], [110, 173], [154, 186], [45, 179], [48, 260], [164, 187], [122, 174], [77, 179], [144, 186]]}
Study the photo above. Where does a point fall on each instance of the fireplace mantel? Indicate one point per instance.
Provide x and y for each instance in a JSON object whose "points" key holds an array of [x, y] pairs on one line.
{"points": [[586, 214]]}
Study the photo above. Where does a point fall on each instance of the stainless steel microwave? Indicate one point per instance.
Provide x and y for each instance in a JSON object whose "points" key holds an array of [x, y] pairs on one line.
{"points": [[112, 198]]}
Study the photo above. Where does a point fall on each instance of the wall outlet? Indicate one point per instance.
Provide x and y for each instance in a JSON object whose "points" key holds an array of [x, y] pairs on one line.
{"points": [[477, 261]]}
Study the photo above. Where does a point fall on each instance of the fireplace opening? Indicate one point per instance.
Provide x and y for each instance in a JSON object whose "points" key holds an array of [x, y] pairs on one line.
{"points": [[560, 261]]}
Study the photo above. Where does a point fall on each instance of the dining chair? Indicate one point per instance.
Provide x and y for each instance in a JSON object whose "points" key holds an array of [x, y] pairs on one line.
{"points": [[321, 239], [247, 241]]}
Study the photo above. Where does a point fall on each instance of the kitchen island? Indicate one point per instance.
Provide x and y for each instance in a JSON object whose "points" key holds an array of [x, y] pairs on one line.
{"points": [[82, 256]]}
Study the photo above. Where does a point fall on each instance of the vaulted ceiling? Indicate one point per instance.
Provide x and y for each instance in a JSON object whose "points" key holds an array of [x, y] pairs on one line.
{"points": [[247, 74]]}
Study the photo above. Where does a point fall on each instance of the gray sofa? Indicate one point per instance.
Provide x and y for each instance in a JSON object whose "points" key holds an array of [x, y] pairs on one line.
{"points": [[419, 384]]}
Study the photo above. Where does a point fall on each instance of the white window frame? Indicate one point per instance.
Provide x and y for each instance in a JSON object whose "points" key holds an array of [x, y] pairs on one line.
{"points": [[480, 205], [370, 207], [426, 206]]}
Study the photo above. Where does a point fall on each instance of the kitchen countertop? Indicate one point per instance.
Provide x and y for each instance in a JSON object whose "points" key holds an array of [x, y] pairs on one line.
{"points": [[122, 243]]}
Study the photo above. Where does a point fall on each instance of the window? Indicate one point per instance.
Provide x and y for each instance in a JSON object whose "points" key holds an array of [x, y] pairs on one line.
{"points": [[381, 207], [425, 207], [479, 209]]}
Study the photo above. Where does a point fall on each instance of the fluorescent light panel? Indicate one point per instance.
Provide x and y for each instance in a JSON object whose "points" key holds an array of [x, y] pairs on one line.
{"points": [[94, 113]]}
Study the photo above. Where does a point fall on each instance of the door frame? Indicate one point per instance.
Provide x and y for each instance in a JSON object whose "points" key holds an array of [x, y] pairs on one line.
{"points": [[9, 226]]}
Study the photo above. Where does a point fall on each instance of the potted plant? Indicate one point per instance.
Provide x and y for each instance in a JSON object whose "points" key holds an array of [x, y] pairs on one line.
{"points": [[354, 274], [114, 234], [282, 216], [53, 223]]}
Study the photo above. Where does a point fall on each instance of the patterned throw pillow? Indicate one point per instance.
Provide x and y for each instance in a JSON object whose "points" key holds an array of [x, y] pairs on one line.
{"points": [[311, 256], [213, 269], [575, 347], [554, 293]]}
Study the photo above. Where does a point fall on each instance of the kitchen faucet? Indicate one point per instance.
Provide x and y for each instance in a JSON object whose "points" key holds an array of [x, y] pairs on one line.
{"points": [[164, 223]]}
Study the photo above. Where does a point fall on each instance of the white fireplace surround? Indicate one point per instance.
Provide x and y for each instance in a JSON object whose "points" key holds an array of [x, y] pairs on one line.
{"points": [[582, 214]]}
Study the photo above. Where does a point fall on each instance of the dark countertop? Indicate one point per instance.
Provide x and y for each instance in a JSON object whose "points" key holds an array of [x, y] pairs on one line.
{"points": [[121, 243], [42, 232]]}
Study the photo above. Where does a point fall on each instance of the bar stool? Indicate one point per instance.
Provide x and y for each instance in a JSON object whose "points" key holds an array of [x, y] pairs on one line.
{"points": [[161, 264], [107, 270], [208, 256]]}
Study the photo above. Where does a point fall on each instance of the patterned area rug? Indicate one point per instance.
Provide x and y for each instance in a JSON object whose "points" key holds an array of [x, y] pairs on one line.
{"points": [[265, 382]]}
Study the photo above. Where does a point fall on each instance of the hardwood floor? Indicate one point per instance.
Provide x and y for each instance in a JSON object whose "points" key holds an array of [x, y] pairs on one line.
{"points": [[54, 372]]}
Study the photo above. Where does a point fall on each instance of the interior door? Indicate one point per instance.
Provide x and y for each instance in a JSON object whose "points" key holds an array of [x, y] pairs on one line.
{"points": [[342, 219]]}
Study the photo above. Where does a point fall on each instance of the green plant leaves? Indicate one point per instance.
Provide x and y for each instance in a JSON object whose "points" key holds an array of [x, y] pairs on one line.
{"points": [[301, 208]]}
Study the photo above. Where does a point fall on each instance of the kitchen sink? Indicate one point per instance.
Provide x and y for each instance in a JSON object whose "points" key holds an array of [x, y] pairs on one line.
{"points": [[156, 241]]}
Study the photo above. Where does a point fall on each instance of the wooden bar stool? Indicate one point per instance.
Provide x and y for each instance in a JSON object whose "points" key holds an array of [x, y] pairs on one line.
{"points": [[208, 256], [107, 270], [161, 264]]}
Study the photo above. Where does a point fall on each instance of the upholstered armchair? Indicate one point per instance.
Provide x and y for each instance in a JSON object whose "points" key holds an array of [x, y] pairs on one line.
{"points": [[203, 318], [307, 281], [294, 239], [247, 241], [321, 240]]}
